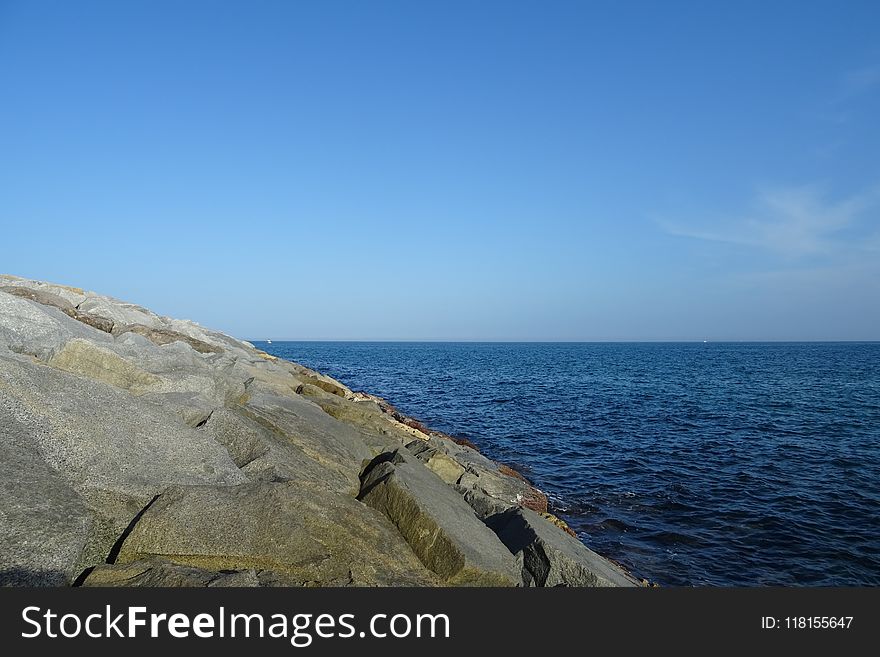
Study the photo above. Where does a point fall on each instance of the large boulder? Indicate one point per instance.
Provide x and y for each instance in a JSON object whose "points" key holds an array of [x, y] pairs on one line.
{"points": [[437, 523], [308, 535], [491, 491], [550, 556], [488, 487]]}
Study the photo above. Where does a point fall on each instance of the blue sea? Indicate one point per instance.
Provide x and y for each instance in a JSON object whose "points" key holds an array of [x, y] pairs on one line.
{"points": [[730, 464]]}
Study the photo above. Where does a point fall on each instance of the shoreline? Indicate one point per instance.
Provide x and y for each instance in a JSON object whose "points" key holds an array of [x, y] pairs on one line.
{"points": [[537, 500], [181, 456]]}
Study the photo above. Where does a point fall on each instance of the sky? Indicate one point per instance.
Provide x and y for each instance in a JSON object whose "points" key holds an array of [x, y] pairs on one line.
{"points": [[451, 170]]}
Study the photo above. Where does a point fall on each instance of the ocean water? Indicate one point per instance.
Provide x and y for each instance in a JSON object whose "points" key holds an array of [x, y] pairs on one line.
{"points": [[691, 464]]}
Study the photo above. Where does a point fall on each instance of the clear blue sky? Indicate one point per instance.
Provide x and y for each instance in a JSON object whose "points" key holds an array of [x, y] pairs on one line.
{"points": [[444, 170]]}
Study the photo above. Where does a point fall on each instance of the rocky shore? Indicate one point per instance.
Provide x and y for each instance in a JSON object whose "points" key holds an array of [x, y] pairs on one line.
{"points": [[139, 450]]}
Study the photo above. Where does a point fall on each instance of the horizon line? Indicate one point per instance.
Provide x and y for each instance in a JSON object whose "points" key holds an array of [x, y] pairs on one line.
{"points": [[595, 341]]}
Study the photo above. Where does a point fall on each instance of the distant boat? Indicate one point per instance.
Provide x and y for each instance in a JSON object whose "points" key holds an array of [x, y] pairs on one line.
{"points": [[268, 341], [705, 341]]}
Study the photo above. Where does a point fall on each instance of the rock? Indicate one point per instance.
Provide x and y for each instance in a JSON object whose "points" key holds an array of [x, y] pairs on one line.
{"points": [[30, 328], [216, 378], [559, 522], [100, 323], [112, 449], [200, 333], [444, 467], [100, 364], [162, 336], [422, 449], [325, 384], [193, 408], [417, 428], [503, 489], [487, 486], [157, 572], [42, 297], [550, 556], [311, 536], [484, 488], [46, 298], [484, 505], [398, 420], [322, 381], [438, 525], [72, 295], [269, 378], [464, 454], [329, 443], [44, 524], [366, 415], [436, 461], [244, 439], [119, 312], [267, 456]]}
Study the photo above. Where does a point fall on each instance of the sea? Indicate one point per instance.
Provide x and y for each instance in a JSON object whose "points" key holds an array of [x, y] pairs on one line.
{"points": [[692, 464]]}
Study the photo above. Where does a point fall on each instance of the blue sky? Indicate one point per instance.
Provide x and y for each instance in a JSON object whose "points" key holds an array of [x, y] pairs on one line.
{"points": [[419, 170]]}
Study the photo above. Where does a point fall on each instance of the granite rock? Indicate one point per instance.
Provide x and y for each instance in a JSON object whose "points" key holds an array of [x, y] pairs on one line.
{"points": [[550, 556], [437, 523], [312, 536]]}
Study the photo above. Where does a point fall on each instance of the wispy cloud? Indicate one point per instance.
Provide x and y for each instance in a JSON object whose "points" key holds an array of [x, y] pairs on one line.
{"points": [[792, 221]]}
